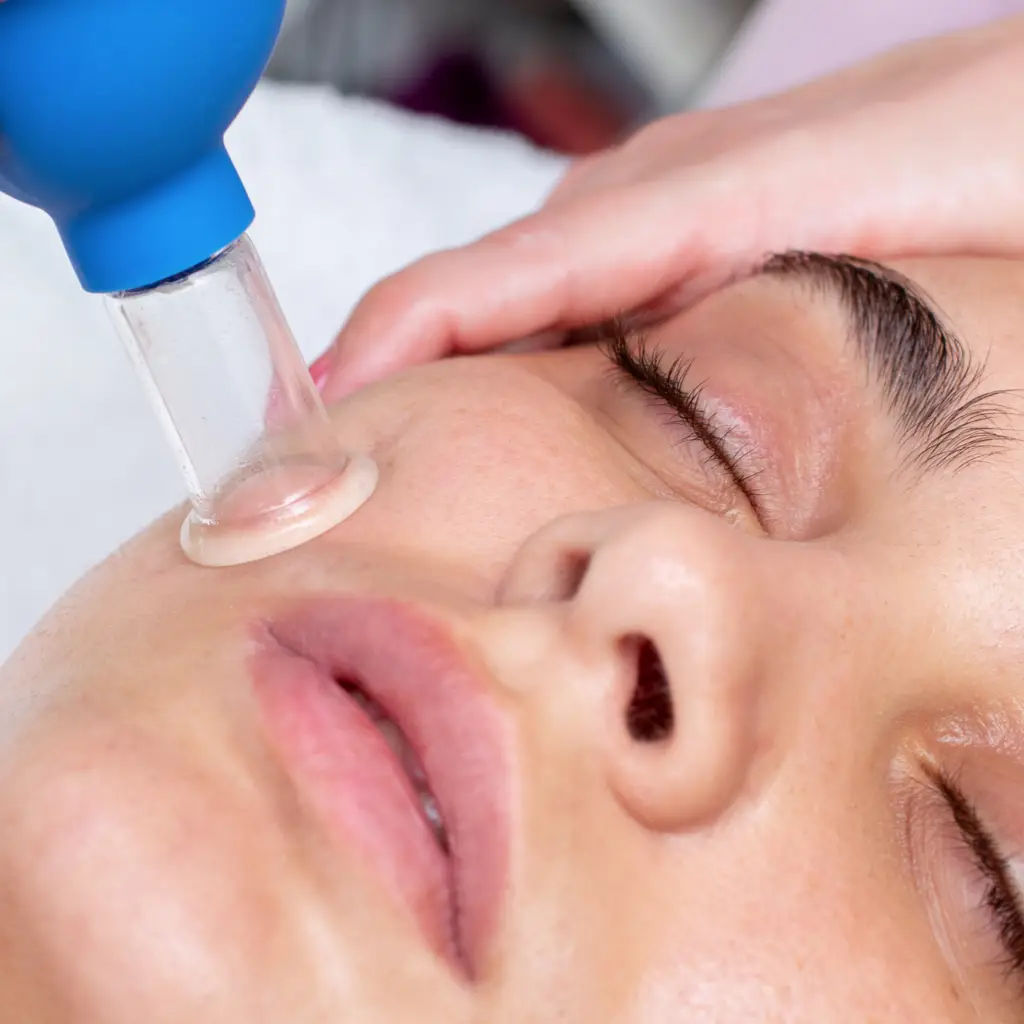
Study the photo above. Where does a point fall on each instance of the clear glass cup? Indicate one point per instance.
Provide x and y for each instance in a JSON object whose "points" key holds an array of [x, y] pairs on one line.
{"points": [[261, 461]]}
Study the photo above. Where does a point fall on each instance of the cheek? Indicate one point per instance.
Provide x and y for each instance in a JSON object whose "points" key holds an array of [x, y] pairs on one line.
{"points": [[477, 470], [117, 844]]}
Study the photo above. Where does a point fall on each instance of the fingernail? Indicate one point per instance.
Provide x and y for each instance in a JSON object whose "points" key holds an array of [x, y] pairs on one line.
{"points": [[320, 370]]}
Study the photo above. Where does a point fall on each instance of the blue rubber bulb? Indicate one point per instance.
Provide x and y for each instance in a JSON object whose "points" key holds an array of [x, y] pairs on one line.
{"points": [[112, 120]]}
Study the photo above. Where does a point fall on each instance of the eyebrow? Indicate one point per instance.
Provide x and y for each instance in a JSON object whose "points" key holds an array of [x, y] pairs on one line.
{"points": [[928, 379]]}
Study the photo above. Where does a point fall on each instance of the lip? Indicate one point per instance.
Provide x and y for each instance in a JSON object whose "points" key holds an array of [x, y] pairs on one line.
{"points": [[338, 759]]}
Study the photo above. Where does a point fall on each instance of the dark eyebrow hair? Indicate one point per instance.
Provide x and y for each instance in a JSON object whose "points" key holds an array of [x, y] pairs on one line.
{"points": [[928, 379]]}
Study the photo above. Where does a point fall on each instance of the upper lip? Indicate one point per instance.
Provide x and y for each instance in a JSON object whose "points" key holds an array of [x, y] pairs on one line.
{"points": [[409, 664]]}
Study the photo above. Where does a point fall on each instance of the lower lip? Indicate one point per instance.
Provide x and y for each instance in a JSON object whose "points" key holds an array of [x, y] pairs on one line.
{"points": [[342, 764]]}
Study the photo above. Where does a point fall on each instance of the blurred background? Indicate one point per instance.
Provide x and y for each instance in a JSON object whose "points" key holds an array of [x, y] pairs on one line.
{"points": [[577, 75], [571, 75]]}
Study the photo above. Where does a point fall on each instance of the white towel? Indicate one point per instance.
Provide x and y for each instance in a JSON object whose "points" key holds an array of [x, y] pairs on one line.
{"points": [[346, 191]]}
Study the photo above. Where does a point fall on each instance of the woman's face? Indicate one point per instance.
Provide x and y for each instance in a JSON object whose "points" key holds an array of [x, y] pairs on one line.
{"points": [[704, 698]]}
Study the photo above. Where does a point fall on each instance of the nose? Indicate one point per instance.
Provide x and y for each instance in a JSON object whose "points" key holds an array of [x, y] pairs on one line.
{"points": [[679, 604]]}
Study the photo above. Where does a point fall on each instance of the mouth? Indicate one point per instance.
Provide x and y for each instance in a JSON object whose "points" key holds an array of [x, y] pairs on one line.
{"points": [[407, 758], [389, 735]]}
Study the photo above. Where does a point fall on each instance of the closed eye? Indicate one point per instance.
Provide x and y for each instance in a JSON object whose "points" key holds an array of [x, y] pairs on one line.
{"points": [[666, 379], [1002, 899]]}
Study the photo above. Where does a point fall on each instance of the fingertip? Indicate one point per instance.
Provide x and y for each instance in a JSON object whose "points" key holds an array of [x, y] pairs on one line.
{"points": [[346, 370], [365, 353]]}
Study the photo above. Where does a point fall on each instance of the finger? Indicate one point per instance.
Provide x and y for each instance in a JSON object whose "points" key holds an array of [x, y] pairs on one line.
{"points": [[574, 265]]}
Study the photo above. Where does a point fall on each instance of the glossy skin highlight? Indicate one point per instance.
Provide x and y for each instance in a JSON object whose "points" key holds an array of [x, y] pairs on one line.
{"points": [[781, 857]]}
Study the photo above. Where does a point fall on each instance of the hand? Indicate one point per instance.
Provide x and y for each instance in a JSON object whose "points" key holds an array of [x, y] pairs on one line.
{"points": [[919, 151]]}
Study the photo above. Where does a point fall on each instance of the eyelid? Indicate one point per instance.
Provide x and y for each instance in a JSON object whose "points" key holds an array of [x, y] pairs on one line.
{"points": [[1003, 901], [629, 353]]}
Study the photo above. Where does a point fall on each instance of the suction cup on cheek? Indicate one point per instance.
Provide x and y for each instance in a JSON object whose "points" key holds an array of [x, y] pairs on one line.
{"points": [[249, 528], [261, 459]]}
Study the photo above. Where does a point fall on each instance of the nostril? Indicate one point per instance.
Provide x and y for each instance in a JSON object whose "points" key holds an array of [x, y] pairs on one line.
{"points": [[570, 570], [650, 717], [543, 574]]}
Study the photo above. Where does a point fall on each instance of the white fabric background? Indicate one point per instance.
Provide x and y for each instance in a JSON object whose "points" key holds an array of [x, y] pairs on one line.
{"points": [[346, 191]]}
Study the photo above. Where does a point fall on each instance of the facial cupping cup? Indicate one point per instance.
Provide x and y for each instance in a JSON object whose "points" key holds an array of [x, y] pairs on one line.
{"points": [[112, 121], [260, 458]]}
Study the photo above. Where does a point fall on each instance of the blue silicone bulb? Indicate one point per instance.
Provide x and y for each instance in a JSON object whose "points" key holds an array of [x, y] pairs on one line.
{"points": [[112, 120]]}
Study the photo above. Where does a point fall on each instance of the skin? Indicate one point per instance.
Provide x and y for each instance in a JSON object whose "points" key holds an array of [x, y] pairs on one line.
{"points": [[780, 858], [695, 199]]}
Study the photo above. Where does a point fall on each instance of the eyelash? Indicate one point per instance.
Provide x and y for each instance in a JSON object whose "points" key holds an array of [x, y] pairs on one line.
{"points": [[1002, 898], [632, 358]]}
